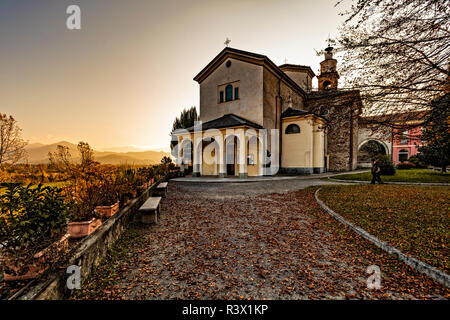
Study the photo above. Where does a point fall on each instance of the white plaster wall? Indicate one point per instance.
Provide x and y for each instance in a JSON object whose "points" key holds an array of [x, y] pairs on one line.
{"points": [[250, 102]]}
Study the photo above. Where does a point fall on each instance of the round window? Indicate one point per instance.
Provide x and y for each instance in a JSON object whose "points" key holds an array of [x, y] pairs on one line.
{"points": [[228, 64]]}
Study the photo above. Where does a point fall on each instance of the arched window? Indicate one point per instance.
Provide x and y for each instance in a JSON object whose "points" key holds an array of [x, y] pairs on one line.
{"points": [[403, 155], [327, 85], [229, 92], [292, 129]]}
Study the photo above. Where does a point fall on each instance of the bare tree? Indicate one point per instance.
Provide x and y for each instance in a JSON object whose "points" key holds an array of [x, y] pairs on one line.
{"points": [[86, 153], [396, 52], [12, 146], [61, 158]]}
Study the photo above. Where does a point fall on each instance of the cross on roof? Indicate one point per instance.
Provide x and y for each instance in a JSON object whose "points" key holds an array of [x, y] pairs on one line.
{"points": [[285, 60], [227, 42]]}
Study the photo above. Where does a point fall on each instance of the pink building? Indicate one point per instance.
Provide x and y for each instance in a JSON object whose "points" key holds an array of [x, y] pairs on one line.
{"points": [[406, 144]]}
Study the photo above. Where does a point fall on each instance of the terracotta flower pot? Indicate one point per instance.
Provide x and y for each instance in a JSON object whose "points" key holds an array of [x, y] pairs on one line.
{"points": [[108, 211], [39, 265], [83, 228]]}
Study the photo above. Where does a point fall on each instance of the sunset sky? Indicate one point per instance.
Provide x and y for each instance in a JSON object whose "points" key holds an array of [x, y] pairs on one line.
{"points": [[123, 78]]}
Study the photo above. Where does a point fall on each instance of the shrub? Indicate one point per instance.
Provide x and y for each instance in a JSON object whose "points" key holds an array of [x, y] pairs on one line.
{"points": [[419, 164], [386, 165], [405, 165], [31, 219]]}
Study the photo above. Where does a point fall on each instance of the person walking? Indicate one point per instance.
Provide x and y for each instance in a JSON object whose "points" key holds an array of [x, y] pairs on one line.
{"points": [[376, 170]]}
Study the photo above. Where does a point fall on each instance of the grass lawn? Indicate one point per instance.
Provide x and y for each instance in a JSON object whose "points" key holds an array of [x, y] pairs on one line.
{"points": [[408, 175], [415, 219]]}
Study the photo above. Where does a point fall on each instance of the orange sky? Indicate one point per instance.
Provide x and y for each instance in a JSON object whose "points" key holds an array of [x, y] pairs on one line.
{"points": [[122, 78]]}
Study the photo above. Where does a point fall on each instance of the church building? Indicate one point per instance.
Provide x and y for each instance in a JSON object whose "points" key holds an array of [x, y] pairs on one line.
{"points": [[258, 118]]}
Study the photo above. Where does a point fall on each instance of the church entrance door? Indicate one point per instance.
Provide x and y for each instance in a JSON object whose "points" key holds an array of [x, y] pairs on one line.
{"points": [[230, 169], [232, 151]]}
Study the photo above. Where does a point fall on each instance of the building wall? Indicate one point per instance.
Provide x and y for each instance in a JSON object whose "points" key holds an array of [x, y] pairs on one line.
{"points": [[319, 151], [253, 149], [412, 143], [250, 102], [298, 153], [276, 93], [271, 104], [303, 79]]}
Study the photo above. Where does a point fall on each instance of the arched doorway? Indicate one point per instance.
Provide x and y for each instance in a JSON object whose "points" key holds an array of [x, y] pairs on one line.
{"points": [[231, 155], [255, 156], [210, 153], [370, 149], [187, 155]]}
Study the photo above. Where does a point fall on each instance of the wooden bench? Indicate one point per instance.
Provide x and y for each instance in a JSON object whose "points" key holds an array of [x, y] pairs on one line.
{"points": [[150, 210], [161, 189]]}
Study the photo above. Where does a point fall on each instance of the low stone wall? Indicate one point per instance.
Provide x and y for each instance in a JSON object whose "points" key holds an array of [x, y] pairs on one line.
{"points": [[90, 251], [391, 182]]}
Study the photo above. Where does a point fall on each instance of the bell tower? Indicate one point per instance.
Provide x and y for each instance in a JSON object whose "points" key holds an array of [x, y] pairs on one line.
{"points": [[328, 78]]}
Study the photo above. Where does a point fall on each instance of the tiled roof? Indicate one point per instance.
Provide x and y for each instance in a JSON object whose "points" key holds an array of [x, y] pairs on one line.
{"points": [[396, 117], [228, 120], [291, 112]]}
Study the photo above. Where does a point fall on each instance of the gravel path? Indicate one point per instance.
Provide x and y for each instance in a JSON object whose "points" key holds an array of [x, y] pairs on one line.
{"points": [[237, 240]]}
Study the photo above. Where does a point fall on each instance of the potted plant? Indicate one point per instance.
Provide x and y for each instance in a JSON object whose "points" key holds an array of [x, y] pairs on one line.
{"points": [[129, 184], [109, 197], [33, 223], [87, 195]]}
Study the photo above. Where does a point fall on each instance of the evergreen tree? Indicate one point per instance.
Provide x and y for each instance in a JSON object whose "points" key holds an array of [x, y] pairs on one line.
{"points": [[436, 150], [187, 119]]}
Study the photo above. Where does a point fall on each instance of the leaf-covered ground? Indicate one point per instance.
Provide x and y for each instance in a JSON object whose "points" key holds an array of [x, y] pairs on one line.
{"points": [[236, 241], [405, 175], [415, 219]]}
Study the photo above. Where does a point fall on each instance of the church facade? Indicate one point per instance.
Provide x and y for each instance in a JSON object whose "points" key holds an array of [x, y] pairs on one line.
{"points": [[257, 118]]}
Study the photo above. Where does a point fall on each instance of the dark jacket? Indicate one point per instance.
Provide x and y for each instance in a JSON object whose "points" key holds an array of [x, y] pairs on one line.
{"points": [[375, 169]]}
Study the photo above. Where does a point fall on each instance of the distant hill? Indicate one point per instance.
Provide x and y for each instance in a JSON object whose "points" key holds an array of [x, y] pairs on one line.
{"points": [[38, 153]]}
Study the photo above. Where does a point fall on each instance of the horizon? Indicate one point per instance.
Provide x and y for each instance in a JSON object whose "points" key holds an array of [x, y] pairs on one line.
{"points": [[117, 149], [122, 79]]}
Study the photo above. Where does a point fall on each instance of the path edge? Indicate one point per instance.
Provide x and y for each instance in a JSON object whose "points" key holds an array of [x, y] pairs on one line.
{"points": [[393, 182]]}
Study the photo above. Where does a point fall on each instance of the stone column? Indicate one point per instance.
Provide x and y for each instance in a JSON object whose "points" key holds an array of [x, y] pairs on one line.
{"points": [[261, 151], [242, 155], [179, 159], [197, 158], [221, 156], [198, 149]]}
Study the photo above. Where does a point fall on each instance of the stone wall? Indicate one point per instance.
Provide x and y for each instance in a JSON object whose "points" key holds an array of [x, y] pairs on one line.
{"points": [[89, 252], [342, 113]]}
